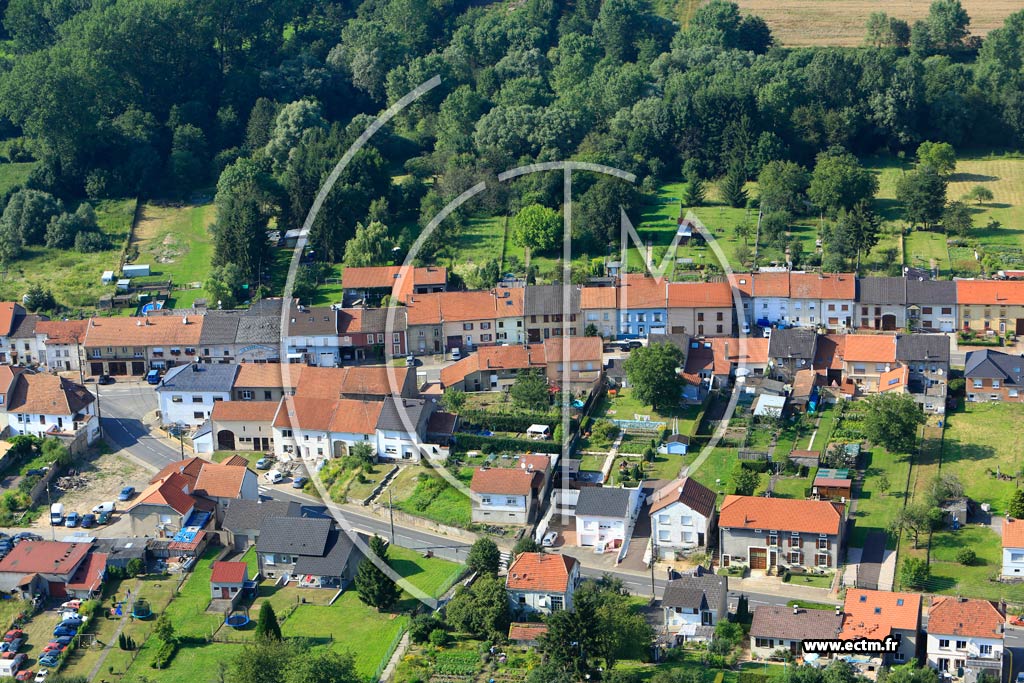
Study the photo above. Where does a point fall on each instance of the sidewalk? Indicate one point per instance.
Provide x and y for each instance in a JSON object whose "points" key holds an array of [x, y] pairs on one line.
{"points": [[767, 585]]}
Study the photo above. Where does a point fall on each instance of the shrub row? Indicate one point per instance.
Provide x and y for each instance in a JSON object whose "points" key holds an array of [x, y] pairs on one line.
{"points": [[497, 444], [508, 422]]}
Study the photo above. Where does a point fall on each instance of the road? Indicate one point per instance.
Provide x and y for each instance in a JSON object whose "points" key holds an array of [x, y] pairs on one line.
{"points": [[122, 408]]}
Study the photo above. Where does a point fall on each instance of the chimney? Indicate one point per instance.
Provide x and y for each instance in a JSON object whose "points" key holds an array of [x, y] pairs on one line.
{"points": [[184, 320], [796, 609], [839, 611]]}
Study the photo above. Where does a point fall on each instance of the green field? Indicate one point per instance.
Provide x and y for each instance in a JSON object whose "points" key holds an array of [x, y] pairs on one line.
{"points": [[176, 242], [73, 277], [927, 250], [431, 497], [188, 609], [12, 175], [979, 439], [949, 577]]}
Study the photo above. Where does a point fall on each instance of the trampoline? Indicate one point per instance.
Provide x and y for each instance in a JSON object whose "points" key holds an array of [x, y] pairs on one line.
{"points": [[141, 609], [237, 620]]}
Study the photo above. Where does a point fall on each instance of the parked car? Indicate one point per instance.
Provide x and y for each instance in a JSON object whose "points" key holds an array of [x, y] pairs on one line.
{"points": [[71, 620], [108, 506], [41, 676], [153, 377], [105, 379], [549, 539], [263, 464], [71, 605], [274, 476], [12, 634], [126, 493], [88, 520], [12, 646], [26, 536], [50, 659], [26, 675], [103, 518], [299, 482], [35, 472], [72, 520], [63, 630], [456, 353], [410, 361]]}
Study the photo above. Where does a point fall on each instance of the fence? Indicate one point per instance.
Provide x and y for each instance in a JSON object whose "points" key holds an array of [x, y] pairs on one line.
{"points": [[387, 656]]}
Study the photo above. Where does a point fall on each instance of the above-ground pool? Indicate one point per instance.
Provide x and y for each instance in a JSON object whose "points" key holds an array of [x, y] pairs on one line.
{"points": [[152, 306], [141, 609], [237, 620]]}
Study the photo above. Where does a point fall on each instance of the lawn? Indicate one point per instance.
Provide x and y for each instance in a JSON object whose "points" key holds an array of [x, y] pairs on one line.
{"points": [[949, 577], [841, 22], [73, 277], [176, 242], [927, 250], [816, 439], [431, 497], [664, 467], [12, 174], [188, 609], [432, 575], [716, 471], [623, 406], [793, 487], [977, 443], [480, 241], [875, 510]]}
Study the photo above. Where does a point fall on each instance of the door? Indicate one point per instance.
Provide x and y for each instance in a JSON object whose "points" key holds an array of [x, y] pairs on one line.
{"points": [[224, 593], [138, 367], [225, 440], [758, 558], [888, 322], [1020, 327], [118, 368]]}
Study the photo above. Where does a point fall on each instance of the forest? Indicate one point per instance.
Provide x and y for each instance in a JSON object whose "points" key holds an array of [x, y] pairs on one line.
{"points": [[169, 98]]}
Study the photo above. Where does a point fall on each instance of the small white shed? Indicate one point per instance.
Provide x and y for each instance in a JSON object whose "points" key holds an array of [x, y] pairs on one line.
{"points": [[123, 284], [108, 277], [139, 270], [539, 432]]}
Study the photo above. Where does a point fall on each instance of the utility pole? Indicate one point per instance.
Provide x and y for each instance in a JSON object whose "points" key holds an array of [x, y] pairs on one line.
{"points": [[654, 557], [53, 530], [391, 512]]}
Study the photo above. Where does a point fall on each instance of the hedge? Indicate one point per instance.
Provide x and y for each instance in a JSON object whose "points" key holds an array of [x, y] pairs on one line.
{"points": [[752, 677], [498, 444], [508, 422]]}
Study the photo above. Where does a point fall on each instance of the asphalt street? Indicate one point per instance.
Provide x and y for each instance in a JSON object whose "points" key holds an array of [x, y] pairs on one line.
{"points": [[122, 409]]}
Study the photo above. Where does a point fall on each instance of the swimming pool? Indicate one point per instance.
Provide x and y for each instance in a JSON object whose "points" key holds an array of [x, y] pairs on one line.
{"points": [[154, 306]]}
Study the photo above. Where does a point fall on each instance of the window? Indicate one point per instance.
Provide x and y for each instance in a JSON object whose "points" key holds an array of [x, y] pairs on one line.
{"points": [[687, 520], [485, 326], [175, 399], [985, 649], [198, 415], [718, 329], [197, 399], [286, 433], [380, 338], [764, 642], [831, 307], [396, 338], [944, 643], [268, 395], [700, 315], [900, 657], [664, 535], [794, 557], [773, 538], [995, 384], [509, 500], [823, 544], [485, 500], [961, 644], [485, 337], [977, 384], [467, 326], [246, 395]]}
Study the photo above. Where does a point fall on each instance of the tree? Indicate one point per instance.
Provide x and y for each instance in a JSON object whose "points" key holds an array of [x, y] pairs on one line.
{"points": [[653, 372], [484, 556], [914, 572], [453, 400], [882, 484], [940, 156], [422, 625], [966, 557], [526, 544], [855, 231], [322, 666], [374, 587], [38, 299], [886, 31], [267, 627], [956, 219], [536, 228], [892, 421], [923, 195], [63, 230], [617, 631], [782, 185], [28, 213], [370, 246], [164, 629], [591, 330], [293, 121], [945, 486], [744, 481], [947, 23], [598, 218], [979, 194], [364, 454], [265, 661], [922, 44], [694, 192], [908, 673], [135, 567], [481, 609], [223, 284], [916, 519], [731, 186], [529, 391], [840, 182], [1016, 507]]}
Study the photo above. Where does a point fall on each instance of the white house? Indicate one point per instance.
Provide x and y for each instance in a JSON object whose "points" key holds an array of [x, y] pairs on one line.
{"points": [[769, 296], [681, 515], [965, 638], [605, 516], [47, 405], [187, 392], [1013, 548], [313, 336], [542, 583], [312, 427], [693, 605], [58, 343], [227, 580], [402, 428], [505, 495]]}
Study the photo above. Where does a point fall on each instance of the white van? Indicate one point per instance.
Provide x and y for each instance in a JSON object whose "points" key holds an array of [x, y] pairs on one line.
{"points": [[107, 507], [57, 514], [456, 353], [274, 476]]}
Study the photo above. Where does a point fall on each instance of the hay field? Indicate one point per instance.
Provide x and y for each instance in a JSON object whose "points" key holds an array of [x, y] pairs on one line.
{"points": [[842, 22]]}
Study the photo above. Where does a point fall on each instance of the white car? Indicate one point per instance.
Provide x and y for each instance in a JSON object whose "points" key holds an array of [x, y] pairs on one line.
{"points": [[456, 353], [107, 507], [549, 539], [1020, 677], [274, 476], [41, 676]]}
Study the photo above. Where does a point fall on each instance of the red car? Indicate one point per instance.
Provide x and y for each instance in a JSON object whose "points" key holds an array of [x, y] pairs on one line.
{"points": [[1016, 621], [26, 675], [12, 634]]}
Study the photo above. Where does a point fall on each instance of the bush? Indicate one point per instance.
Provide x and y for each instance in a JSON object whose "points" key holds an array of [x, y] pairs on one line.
{"points": [[751, 677], [136, 567], [508, 422], [89, 242], [966, 557], [439, 637], [164, 654], [422, 626]]}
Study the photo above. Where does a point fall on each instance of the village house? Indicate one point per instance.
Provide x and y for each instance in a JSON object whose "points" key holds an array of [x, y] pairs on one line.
{"points": [[822, 300], [134, 346], [59, 343], [493, 368], [585, 365], [790, 350], [358, 382], [994, 376], [1013, 549], [401, 430], [768, 296], [965, 638], [931, 305], [368, 285], [468, 319], [52, 568], [692, 606], [423, 317], [766, 533], [605, 516], [10, 313], [881, 303], [371, 332], [40, 404], [701, 309], [22, 339], [163, 507], [643, 306], [682, 516], [539, 583], [320, 428], [188, 393], [258, 339], [309, 551], [777, 627], [548, 314], [312, 336], [926, 357], [266, 382], [222, 484], [599, 308], [866, 358], [243, 519], [227, 579], [877, 614], [991, 306], [217, 340], [505, 495]]}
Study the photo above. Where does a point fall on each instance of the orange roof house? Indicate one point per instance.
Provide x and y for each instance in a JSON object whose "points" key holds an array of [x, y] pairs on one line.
{"points": [[825, 286], [877, 614], [171, 492], [62, 331], [990, 292], [8, 312], [541, 572], [229, 573], [638, 291], [869, 348], [162, 331], [598, 297], [401, 280], [244, 411], [504, 481], [1013, 533], [963, 617], [517, 357], [700, 295], [769, 285], [781, 514]]}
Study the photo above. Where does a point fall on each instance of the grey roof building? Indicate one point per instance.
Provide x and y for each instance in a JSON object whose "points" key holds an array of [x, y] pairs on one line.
{"points": [[339, 551], [416, 410], [549, 299], [782, 626], [219, 327], [988, 364], [198, 377], [259, 329], [702, 593], [250, 514], [931, 292], [602, 501], [320, 320], [293, 536], [882, 290], [792, 343], [923, 348], [310, 550]]}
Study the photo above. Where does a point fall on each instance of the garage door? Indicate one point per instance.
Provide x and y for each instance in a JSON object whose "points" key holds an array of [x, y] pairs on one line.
{"points": [[758, 558]]}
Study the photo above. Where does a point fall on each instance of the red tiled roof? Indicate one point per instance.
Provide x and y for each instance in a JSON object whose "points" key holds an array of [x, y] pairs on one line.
{"points": [[597, 297], [540, 572], [220, 481], [161, 330], [401, 280], [8, 311], [752, 351], [511, 481], [637, 291], [229, 572], [875, 614], [236, 461], [463, 306], [89, 575], [44, 557], [189, 468], [700, 295], [870, 348], [62, 331], [770, 284], [244, 411], [992, 292], [1013, 533], [359, 379], [424, 309], [271, 375], [356, 417], [828, 353], [949, 616], [823, 286], [514, 357], [687, 491], [169, 492], [781, 514], [894, 380], [743, 282], [526, 632], [580, 349], [45, 394], [534, 462]]}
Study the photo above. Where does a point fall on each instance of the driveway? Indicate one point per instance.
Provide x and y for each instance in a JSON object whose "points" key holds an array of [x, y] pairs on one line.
{"points": [[871, 560]]}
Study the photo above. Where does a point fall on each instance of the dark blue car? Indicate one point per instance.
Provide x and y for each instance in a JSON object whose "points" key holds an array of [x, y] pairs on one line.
{"points": [[126, 493]]}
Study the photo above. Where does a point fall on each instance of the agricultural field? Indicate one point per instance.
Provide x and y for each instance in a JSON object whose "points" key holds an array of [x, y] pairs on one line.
{"points": [[175, 240], [842, 22], [73, 277]]}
